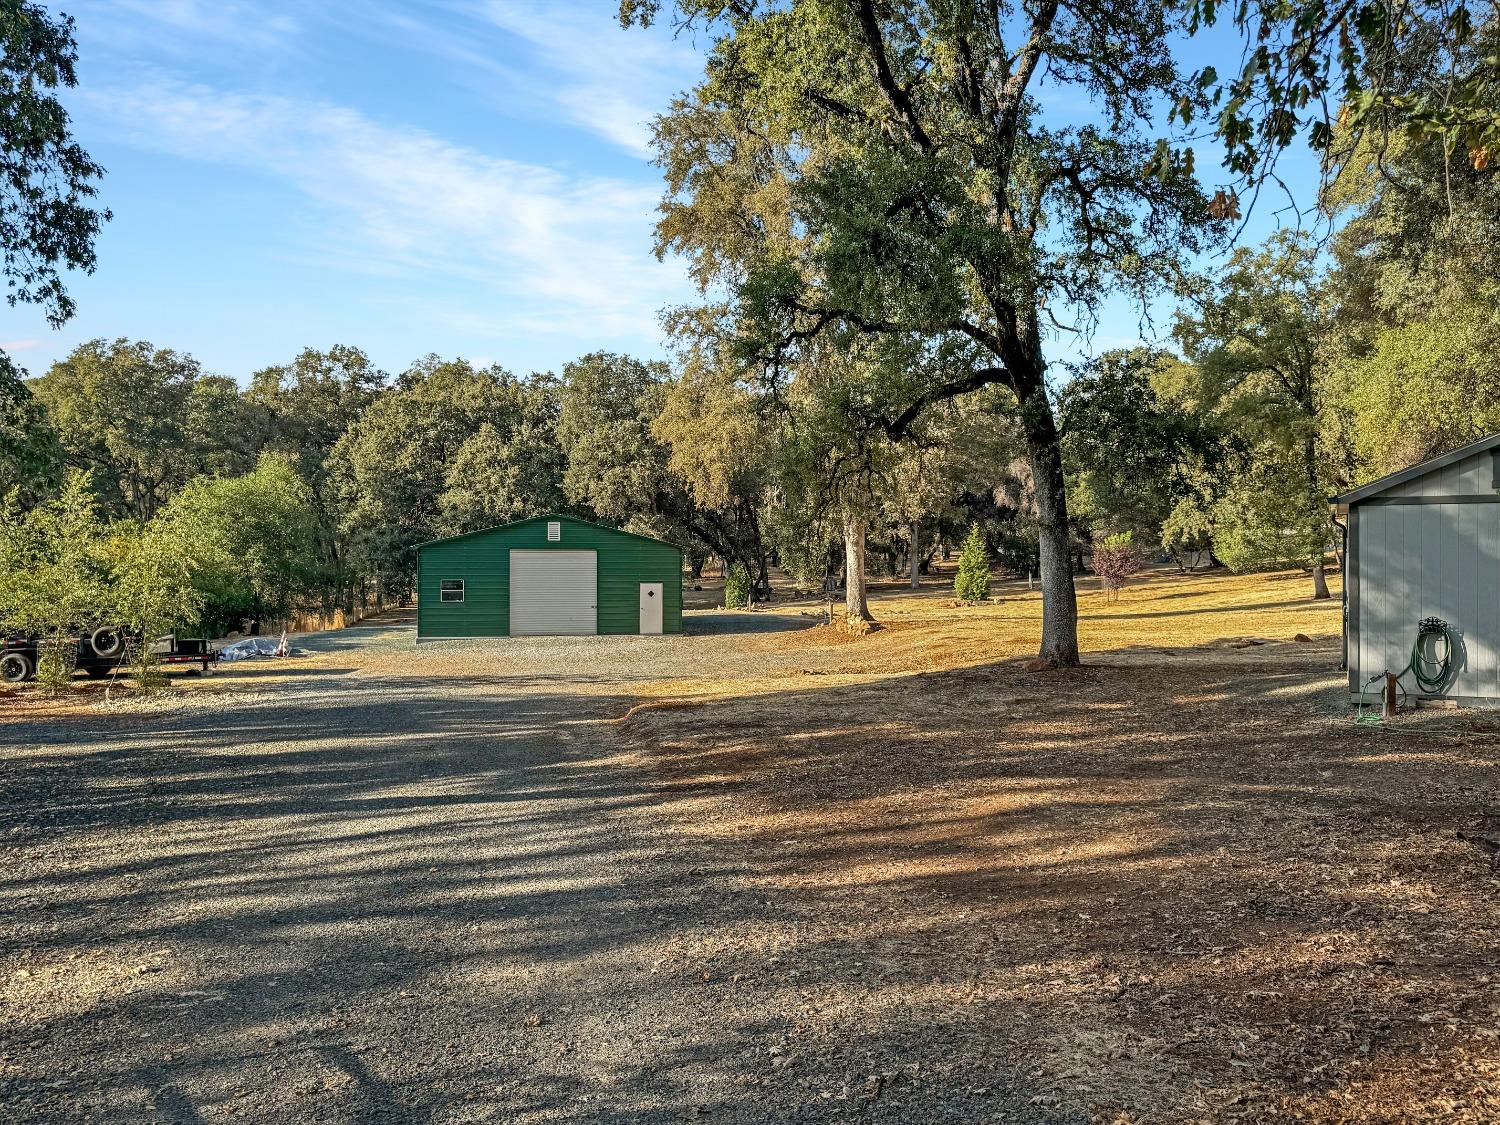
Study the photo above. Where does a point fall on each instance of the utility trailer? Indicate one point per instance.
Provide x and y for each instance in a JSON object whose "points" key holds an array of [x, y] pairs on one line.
{"points": [[99, 652]]}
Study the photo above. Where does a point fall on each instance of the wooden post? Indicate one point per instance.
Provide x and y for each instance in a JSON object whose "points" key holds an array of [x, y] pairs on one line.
{"points": [[1388, 711]]}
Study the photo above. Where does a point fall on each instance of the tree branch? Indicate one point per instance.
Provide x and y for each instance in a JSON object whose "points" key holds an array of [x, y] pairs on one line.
{"points": [[836, 107], [1013, 93], [896, 428], [896, 94]]}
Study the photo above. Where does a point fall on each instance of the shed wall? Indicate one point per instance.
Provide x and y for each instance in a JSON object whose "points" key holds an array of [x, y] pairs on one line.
{"points": [[483, 561], [1432, 559]]}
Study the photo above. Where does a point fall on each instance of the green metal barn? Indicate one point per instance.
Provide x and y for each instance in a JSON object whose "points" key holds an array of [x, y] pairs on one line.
{"points": [[548, 576]]}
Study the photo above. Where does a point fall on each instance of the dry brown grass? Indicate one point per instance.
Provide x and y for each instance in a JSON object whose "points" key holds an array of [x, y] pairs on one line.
{"points": [[1163, 616], [1178, 884], [928, 631]]}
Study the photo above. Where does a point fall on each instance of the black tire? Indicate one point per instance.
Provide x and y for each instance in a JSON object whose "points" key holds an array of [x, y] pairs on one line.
{"points": [[97, 672], [107, 642], [15, 668]]}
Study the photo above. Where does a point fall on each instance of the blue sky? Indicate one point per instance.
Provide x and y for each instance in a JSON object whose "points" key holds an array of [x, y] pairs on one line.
{"points": [[466, 177]]}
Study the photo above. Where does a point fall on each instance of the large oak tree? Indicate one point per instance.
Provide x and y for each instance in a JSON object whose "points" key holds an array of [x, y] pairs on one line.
{"points": [[887, 169]]}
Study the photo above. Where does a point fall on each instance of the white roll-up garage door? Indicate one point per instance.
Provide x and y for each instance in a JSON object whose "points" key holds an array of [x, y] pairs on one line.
{"points": [[553, 593]]}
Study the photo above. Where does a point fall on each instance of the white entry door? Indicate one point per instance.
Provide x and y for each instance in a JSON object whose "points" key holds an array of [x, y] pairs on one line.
{"points": [[553, 593], [651, 597]]}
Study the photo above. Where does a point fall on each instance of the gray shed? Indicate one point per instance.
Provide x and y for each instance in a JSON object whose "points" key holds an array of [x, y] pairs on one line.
{"points": [[1424, 543]]}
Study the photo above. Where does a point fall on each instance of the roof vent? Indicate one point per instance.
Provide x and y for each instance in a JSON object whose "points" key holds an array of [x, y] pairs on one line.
{"points": [[554, 531]]}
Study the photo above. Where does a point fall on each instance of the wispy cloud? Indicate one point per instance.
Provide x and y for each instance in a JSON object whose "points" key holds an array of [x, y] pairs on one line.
{"points": [[541, 247], [187, 23], [607, 80], [19, 345]]}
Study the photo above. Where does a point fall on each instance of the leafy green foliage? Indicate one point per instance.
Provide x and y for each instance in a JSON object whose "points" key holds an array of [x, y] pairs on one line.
{"points": [[1187, 533], [497, 477], [154, 593], [121, 410], [55, 664], [972, 583], [884, 172], [304, 408], [1412, 356], [55, 575], [1267, 518], [717, 437], [1253, 333], [1424, 387], [245, 546], [30, 455], [1135, 452], [388, 468], [310, 403], [1254, 343], [616, 467], [644, 452], [223, 431], [47, 180], [1382, 68], [737, 587], [54, 568]]}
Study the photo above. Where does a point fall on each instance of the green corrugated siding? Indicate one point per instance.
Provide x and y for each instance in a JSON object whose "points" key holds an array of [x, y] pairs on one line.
{"points": [[483, 562]]}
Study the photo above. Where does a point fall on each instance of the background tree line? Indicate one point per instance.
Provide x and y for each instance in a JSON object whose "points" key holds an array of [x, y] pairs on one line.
{"points": [[887, 232], [1297, 369], [309, 488]]}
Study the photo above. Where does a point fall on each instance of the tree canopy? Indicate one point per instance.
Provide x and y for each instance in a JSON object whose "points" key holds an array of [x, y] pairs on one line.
{"points": [[48, 222], [851, 170]]}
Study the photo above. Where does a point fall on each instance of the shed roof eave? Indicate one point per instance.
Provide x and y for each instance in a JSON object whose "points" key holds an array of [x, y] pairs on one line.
{"points": [[546, 516], [1422, 468]]}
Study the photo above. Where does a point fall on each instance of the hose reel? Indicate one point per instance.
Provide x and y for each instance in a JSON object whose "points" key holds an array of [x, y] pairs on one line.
{"points": [[1430, 665]]}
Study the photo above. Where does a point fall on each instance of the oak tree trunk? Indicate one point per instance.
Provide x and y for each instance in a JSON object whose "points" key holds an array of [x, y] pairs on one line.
{"points": [[856, 604], [914, 555], [1059, 600], [1320, 580], [1310, 457]]}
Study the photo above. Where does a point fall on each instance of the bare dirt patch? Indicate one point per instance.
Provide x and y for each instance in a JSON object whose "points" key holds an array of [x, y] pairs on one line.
{"points": [[1178, 884]]}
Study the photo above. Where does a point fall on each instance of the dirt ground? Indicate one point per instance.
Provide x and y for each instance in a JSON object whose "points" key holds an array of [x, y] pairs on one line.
{"points": [[1178, 884], [762, 872]]}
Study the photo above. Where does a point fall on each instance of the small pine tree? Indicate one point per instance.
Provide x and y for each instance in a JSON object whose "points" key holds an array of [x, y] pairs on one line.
{"points": [[737, 587], [973, 581]]}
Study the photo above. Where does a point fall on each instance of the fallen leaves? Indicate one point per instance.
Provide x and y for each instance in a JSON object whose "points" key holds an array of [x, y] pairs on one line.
{"points": [[1181, 885]]}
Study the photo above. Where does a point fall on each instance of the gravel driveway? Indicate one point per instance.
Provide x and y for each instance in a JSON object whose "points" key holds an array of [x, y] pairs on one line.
{"points": [[394, 882]]}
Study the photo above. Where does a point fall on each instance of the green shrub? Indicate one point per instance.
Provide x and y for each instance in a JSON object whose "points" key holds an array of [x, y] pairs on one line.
{"points": [[973, 581], [146, 669], [737, 587], [54, 666]]}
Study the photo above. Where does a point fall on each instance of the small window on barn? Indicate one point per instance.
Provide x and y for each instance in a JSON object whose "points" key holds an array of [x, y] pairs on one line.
{"points": [[452, 590], [554, 531]]}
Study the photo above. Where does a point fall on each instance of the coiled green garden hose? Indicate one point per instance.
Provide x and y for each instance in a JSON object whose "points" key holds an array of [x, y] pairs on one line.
{"points": [[1432, 673]]}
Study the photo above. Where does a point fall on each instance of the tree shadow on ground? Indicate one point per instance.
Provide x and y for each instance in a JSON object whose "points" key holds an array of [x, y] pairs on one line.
{"points": [[722, 623], [1208, 891], [414, 899]]}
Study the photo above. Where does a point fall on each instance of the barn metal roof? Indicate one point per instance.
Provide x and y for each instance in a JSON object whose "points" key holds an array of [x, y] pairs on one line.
{"points": [[547, 516], [1421, 469]]}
